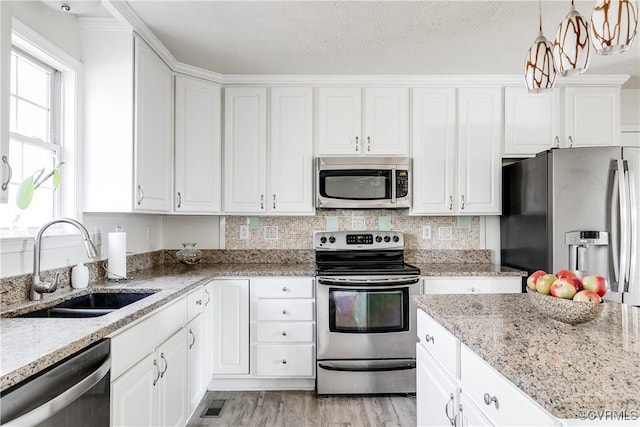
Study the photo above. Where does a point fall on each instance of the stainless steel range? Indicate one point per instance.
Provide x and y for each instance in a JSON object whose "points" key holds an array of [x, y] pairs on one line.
{"points": [[366, 322]]}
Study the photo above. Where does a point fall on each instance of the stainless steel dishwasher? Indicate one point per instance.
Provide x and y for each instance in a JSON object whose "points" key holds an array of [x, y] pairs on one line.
{"points": [[73, 392]]}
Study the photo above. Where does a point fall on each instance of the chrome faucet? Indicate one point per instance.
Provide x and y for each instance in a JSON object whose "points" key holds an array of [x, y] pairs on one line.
{"points": [[37, 287]]}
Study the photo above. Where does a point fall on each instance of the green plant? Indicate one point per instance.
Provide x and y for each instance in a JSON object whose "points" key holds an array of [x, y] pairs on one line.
{"points": [[32, 182]]}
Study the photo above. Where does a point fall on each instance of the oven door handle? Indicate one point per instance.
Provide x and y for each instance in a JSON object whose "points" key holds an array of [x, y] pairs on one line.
{"points": [[377, 282], [373, 366], [55, 405]]}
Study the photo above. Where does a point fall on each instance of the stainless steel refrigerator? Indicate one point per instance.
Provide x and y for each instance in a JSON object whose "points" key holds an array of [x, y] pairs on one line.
{"points": [[550, 199]]}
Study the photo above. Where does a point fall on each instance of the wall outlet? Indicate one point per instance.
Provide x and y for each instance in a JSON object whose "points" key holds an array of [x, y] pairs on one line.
{"points": [[426, 232], [271, 232], [358, 223], [244, 232], [444, 233]]}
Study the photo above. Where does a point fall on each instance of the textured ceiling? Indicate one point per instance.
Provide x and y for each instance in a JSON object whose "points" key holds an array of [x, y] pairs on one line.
{"points": [[363, 37]]}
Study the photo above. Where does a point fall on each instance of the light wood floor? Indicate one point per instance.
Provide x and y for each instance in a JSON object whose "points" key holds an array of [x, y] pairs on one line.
{"points": [[305, 408]]}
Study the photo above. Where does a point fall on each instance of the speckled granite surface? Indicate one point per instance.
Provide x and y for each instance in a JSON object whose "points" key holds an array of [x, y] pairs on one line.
{"points": [[567, 369], [466, 269]]}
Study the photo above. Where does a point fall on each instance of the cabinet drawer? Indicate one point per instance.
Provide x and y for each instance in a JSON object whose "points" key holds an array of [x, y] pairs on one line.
{"points": [[285, 310], [443, 346], [285, 360], [195, 303], [481, 383], [131, 345], [285, 332], [299, 287], [473, 285]]}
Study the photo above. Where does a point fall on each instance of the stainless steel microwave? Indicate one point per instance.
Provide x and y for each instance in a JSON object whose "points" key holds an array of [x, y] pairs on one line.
{"points": [[363, 182]]}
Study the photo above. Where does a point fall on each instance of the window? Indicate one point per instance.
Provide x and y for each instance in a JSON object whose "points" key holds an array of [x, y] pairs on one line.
{"points": [[34, 144], [44, 104]]}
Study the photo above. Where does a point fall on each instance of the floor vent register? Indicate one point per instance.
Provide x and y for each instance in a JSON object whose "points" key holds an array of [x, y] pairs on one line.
{"points": [[214, 409]]}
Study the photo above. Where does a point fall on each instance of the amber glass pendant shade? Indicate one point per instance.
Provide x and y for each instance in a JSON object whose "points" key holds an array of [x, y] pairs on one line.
{"points": [[571, 46], [614, 24], [539, 71]]}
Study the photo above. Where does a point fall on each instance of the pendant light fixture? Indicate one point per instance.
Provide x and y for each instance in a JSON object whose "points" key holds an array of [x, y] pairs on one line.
{"points": [[614, 24], [539, 71], [571, 46]]}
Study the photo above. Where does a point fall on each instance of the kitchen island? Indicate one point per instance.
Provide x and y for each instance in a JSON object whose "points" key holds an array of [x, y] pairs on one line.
{"points": [[582, 374]]}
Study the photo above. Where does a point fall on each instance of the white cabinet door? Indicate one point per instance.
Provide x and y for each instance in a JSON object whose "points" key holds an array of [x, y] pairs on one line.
{"points": [[153, 130], [198, 151], [531, 121], [5, 72], [434, 141], [231, 326], [291, 151], [479, 150], [195, 348], [386, 121], [339, 120], [172, 385], [208, 332], [133, 395], [472, 285], [470, 415], [592, 116], [436, 393], [245, 143]]}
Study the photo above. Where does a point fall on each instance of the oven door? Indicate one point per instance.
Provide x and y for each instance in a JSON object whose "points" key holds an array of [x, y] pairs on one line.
{"points": [[366, 318]]}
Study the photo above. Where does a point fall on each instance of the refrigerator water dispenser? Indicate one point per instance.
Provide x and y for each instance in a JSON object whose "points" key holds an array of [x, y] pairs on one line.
{"points": [[588, 252]]}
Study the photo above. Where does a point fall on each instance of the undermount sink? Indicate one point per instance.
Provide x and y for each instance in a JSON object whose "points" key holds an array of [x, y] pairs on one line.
{"points": [[91, 305]]}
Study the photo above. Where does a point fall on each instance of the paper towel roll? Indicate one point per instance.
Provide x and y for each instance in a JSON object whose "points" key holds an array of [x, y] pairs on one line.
{"points": [[117, 255]]}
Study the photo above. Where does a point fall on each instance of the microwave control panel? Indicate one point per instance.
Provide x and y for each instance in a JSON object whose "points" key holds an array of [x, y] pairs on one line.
{"points": [[402, 183]]}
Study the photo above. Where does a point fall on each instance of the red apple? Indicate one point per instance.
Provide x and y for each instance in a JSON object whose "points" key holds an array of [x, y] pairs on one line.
{"points": [[561, 274], [563, 288], [543, 284], [586, 295], [598, 284], [576, 281], [531, 280]]}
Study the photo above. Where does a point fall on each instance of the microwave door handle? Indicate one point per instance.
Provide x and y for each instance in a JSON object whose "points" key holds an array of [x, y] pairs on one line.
{"points": [[393, 186]]}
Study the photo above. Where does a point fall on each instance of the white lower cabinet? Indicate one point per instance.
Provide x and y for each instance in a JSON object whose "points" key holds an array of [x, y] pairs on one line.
{"points": [[230, 326], [456, 387], [158, 367], [472, 285]]}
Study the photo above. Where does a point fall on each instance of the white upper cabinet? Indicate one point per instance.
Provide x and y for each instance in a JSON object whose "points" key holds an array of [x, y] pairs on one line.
{"points": [[456, 151], [5, 63], [274, 175], [592, 116], [531, 121], [578, 116], [291, 151], [197, 185], [128, 123], [349, 126], [245, 145], [153, 122]]}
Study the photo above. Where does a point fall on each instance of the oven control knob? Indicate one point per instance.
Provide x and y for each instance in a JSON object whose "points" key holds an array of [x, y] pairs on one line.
{"points": [[332, 239], [378, 239], [323, 239], [396, 239], [387, 239]]}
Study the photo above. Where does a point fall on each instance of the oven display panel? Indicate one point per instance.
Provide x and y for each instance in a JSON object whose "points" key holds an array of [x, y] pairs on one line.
{"points": [[359, 239]]}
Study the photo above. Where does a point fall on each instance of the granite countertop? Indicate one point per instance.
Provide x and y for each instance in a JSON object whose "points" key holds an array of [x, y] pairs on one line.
{"points": [[566, 369], [467, 269], [32, 344]]}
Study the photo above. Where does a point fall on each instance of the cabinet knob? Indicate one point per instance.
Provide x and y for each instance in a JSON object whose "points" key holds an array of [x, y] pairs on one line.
{"points": [[285, 289], [284, 333], [488, 399], [199, 302], [284, 361], [285, 312], [428, 338]]}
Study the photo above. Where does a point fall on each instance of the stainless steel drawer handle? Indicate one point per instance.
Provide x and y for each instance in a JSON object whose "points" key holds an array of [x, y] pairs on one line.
{"points": [[446, 410], [179, 199], [155, 380], [5, 184], [166, 365], [488, 399], [208, 298], [194, 339], [140, 195], [428, 338]]}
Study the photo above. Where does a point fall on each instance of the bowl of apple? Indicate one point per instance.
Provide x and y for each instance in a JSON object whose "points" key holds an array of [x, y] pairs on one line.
{"points": [[565, 297]]}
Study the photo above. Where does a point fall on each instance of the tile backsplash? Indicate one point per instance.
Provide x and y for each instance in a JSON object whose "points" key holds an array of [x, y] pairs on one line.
{"points": [[289, 232]]}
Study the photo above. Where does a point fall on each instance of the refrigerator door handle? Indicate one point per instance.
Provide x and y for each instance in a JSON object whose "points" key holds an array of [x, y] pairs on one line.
{"points": [[634, 232], [615, 223], [625, 232]]}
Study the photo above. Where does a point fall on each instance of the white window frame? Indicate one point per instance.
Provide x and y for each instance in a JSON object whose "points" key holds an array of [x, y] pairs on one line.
{"points": [[68, 134]]}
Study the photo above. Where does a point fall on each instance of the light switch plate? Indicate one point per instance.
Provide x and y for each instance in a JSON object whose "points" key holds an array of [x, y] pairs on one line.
{"points": [[244, 232], [426, 232]]}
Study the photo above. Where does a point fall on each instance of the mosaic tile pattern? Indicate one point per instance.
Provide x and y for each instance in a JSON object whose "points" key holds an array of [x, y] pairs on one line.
{"points": [[297, 232]]}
